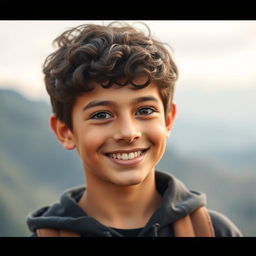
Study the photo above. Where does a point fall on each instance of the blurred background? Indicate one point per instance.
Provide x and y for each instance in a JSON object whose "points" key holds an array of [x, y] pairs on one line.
{"points": [[213, 144]]}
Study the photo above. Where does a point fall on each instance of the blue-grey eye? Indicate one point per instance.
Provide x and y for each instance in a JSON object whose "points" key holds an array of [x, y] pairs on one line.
{"points": [[101, 115], [146, 111]]}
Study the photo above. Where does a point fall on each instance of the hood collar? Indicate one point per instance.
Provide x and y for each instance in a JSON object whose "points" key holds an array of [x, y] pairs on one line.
{"points": [[178, 201]]}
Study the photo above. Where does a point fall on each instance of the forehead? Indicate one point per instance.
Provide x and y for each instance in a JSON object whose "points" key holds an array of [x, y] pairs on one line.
{"points": [[117, 94]]}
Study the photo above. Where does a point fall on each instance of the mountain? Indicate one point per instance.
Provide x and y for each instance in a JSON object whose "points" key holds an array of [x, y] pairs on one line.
{"points": [[35, 169], [217, 124], [29, 142]]}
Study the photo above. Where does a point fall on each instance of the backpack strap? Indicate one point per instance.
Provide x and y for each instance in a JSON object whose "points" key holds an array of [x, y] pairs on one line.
{"points": [[197, 224], [51, 232]]}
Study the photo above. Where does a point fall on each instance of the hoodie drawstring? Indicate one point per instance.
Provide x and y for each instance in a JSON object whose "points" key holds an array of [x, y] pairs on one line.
{"points": [[156, 226], [107, 234]]}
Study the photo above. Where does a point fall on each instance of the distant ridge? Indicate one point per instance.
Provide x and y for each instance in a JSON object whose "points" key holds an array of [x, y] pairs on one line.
{"points": [[35, 169]]}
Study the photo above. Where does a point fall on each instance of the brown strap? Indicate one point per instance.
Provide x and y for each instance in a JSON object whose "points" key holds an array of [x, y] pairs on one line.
{"points": [[183, 227], [51, 232], [198, 224], [68, 233], [202, 223]]}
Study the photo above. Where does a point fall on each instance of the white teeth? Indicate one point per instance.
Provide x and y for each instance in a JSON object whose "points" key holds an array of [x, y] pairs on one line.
{"points": [[131, 155], [125, 156]]}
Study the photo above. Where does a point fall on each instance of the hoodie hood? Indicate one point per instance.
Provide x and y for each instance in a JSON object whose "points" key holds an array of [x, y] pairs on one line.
{"points": [[177, 202]]}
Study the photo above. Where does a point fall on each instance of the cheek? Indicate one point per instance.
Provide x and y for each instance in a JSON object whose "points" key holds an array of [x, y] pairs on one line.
{"points": [[90, 142], [156, 133]]}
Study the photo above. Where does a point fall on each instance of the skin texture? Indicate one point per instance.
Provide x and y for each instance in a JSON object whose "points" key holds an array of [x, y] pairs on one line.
{"points": [[120, 193]]}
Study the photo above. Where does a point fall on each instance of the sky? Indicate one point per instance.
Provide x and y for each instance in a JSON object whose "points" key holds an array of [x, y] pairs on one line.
{"points": [[210, 55]]}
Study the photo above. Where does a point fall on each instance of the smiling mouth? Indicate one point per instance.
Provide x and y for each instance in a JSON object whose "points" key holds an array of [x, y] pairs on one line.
{"points": [[127, 155]]}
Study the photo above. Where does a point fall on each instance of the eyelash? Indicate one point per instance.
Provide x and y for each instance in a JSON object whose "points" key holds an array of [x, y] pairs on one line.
{"points": [[105, 112], [94, 115], [151, 108]]}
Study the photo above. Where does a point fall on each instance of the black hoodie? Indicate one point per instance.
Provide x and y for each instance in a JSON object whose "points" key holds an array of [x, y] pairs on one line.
{"points": [[177, 202]]}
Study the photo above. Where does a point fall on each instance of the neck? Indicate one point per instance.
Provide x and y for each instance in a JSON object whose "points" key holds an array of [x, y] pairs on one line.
{"points": [[122, 207]]}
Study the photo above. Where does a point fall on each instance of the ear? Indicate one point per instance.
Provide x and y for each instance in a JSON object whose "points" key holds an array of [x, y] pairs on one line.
{"points": [[170, 119], [62, 132]]}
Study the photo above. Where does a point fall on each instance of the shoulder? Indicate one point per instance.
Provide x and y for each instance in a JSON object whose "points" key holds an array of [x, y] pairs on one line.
{"points": [[223, 226]]}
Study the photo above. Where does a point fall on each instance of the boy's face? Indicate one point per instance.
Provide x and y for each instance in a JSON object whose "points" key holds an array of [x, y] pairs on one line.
{"points": [[119, 132]]}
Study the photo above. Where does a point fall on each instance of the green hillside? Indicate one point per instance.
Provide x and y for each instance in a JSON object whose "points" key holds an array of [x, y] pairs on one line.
{"points": [[35, 170]]}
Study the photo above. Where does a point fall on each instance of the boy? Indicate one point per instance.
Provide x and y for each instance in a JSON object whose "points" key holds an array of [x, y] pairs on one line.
{"points": [[111, 89]]}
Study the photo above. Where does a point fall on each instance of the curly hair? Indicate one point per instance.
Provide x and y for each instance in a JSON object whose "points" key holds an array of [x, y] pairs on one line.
{"points": [[113, 54]]}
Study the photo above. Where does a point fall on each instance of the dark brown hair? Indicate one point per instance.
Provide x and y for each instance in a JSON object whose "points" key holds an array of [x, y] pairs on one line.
{"points": [[113, 54]]}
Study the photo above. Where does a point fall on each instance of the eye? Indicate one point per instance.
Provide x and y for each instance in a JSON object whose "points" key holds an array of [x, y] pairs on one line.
{"points": [[101, 115], [146, 111]]}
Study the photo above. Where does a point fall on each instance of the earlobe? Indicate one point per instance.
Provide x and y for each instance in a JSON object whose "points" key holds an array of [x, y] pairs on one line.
{"points": [[62, 132], [170, 119]]}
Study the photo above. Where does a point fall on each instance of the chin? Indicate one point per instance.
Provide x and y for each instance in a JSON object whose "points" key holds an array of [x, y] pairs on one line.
{"points": [[130, 178]]}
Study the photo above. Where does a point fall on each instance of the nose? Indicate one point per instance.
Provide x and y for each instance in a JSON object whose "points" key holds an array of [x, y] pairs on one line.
{"points": [[127, 130]]}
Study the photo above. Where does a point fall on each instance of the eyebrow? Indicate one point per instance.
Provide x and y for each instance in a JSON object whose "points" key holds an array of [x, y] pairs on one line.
{"points": [[97, 103]]}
